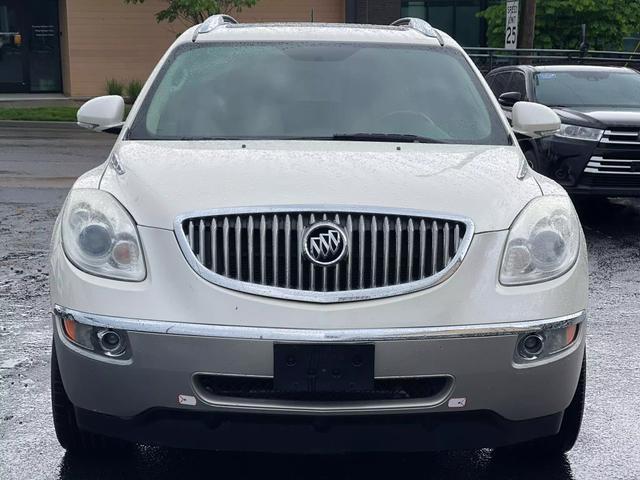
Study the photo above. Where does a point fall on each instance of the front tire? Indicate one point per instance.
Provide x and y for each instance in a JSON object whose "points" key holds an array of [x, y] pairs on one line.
{"points": [[70, 437]]}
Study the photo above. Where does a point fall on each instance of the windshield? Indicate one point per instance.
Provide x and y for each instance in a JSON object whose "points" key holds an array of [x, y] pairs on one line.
{"points": [[318, 91], [588, 88]]}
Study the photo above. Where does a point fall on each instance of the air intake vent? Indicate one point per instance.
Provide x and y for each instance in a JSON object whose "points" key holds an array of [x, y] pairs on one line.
{"points": [[372, 254]]}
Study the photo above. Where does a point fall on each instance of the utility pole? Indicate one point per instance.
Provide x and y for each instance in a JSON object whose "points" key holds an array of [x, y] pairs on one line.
{"points": [[528, 23]]}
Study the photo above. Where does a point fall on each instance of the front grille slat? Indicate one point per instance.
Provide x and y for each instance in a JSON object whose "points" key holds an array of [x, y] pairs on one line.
{"points": [[275, 228], [201, 248], [336, 278], [398, 230], [263, 250], [423, 246], [410, 234], [250, 246], [434, 247], [361, 239], [312, 267], [374, 250], [191, 230], [385, 251], [214, 245], [225, 245], [445, 241], [287, 251], [238, 232], [299, 232], [349, 257], [456, 238]]}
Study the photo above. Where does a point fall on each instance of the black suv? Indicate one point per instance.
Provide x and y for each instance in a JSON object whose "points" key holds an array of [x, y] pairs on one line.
{"points": [[597, 149]]}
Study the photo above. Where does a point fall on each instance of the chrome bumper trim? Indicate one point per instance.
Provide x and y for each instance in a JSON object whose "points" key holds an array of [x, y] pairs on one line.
{"points": [[319, 336]]}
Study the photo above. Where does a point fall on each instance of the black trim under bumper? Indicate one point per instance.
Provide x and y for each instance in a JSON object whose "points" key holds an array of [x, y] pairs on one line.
{"points": [[320, 434]]}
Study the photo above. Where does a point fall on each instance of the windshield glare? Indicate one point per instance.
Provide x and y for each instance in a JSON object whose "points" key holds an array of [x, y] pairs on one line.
{"points": [[588, 88], [317, 90]]}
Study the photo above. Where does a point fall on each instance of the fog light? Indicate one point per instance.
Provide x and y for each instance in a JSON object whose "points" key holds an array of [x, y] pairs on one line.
{"points": [[110, 342], [537, 345], [101, 340], [531, 345]]}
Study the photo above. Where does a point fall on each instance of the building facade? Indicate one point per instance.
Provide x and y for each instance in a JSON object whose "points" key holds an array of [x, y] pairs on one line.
{"points": [[75, 46]]}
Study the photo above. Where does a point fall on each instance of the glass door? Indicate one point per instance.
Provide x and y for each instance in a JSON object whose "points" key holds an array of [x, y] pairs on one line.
{"points": [[14, 62], [44, 47]]}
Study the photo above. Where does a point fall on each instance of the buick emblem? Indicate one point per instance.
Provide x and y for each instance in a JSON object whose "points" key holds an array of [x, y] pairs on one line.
{"points": [[325, 243]]}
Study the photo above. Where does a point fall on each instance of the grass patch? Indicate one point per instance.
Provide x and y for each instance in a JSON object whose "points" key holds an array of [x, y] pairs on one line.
{"points": [[45, 114], [42, 114]]}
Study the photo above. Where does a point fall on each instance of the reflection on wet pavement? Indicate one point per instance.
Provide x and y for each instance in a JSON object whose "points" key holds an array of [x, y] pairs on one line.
{"points": [[161, 464]]}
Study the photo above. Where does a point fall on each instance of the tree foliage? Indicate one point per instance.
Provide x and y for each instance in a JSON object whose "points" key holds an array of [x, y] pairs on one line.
{"points": [[192, 12], [558, 23]]}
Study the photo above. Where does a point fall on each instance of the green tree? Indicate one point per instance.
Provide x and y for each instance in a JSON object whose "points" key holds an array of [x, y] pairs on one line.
{"points": [[558, 23], [196, 11]]}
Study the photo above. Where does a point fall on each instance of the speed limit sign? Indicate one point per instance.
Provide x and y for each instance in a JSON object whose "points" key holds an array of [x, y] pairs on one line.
{"points": [[511, 27]]}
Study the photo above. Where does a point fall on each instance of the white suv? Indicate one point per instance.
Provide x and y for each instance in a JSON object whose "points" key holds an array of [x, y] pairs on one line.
{"points": [[311, 238]]}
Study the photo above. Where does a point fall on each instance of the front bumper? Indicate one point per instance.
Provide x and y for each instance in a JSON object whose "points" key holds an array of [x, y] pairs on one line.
{"points": [[477, 361], [565, 160]]}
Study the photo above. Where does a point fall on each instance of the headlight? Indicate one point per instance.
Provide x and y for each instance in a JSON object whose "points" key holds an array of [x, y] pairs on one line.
{"points": [[543, 242], [100, 237], [579, 133]]}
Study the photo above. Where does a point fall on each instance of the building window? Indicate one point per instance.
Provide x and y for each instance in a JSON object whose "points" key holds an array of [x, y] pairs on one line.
{"points": [[458, 18], [29, 46]]}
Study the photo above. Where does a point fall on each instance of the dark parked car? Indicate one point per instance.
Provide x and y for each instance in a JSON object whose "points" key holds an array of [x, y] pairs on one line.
{"points": [[597, 149]]}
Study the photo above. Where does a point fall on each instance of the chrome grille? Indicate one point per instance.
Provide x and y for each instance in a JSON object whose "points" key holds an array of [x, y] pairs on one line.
{"points": [[616, 166], [622, 136], [261, 251]]}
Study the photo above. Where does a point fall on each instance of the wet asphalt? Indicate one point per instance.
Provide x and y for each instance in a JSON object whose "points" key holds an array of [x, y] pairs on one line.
{"points": [[38, 164]]}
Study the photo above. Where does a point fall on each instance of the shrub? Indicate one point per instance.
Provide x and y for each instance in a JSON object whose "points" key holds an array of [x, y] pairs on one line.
{"points": [[133, 90], [114, 87]]}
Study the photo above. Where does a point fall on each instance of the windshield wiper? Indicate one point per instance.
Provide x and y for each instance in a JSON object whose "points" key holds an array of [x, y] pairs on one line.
{"points": [[386, 137]]}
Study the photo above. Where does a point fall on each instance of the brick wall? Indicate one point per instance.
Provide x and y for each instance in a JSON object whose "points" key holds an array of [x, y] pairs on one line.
{"points": [[103, 39]]}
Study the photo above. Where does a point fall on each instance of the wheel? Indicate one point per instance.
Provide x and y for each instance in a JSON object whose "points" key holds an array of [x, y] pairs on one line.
{"points": [[70, 437], [566, 438]]}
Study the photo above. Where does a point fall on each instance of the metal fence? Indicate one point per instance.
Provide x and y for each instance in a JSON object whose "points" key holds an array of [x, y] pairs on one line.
{"points": [[489, 58]]}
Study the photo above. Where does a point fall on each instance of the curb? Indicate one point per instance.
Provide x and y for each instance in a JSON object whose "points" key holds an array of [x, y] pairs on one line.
{"points": [[36, 123]]}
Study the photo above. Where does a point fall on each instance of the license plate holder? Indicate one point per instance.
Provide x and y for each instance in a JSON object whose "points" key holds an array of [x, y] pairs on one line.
{"points": [[313, 368]]}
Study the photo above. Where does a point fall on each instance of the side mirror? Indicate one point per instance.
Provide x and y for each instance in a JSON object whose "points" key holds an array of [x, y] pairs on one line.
{"points": [[509, 99], [102, 114], [534, 120]]}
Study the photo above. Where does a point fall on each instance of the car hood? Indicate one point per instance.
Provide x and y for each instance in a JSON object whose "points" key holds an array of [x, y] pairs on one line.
{"points": [[160, 180], [600, 117]]}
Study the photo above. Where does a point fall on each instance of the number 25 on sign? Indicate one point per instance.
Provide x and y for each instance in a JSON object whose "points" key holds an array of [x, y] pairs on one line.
{"points": [[511, 27]]}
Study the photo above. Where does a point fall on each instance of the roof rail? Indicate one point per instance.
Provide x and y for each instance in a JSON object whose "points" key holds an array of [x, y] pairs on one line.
{"points": [[421, 26], [211, 23]]}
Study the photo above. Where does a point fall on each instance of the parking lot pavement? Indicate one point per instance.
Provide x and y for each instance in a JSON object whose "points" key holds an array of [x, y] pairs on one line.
{"points": [[30, 157]]}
